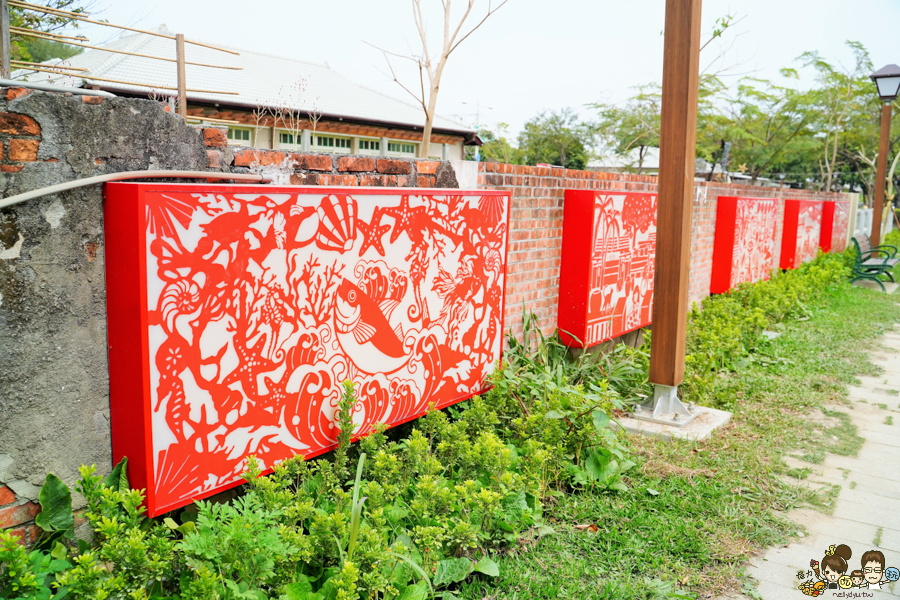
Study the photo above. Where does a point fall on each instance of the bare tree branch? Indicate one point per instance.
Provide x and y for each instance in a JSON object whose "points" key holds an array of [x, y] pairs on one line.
{"points": [[430, 65], [480, 23]]}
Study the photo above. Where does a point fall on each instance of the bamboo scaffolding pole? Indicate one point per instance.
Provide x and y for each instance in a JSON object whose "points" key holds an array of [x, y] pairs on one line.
{"points": [[78, 17], [182, 84], [60, 11], [5, 42], [211, 120], [135, 83], [24, 30], [40, 35], [31, 64]]}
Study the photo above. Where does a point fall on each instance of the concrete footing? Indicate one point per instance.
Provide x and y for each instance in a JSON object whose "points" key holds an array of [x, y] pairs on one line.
{"points": [[700, 428]]}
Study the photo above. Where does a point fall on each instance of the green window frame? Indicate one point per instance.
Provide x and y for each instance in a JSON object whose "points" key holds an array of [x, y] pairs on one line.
{"points": [[238, 135]]}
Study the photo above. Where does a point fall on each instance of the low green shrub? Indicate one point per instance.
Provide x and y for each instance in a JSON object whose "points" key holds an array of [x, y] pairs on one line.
{"points": [[729, 330], [559, 407], [420, 516], [893, 236]]}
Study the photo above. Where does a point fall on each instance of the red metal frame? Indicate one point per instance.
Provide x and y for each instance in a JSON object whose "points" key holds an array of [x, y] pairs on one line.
{"points": [[802, 229], [835, 222], [229, 337], [607, 267], [744, 247]]}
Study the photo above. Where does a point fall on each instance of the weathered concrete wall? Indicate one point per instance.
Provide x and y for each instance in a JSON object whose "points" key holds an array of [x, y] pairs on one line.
{"points": [[54, 405]]}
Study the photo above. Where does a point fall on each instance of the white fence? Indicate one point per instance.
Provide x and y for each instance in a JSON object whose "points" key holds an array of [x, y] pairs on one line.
{"points": [[864, 222]]}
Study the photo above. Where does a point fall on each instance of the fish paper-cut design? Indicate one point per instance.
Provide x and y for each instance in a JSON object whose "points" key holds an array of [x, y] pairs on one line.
{"points": [[364, 312], [367, 320]]}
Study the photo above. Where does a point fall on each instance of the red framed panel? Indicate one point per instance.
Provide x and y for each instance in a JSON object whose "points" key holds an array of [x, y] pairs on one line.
{"points": [[802, 229], [235, 312], [744, 247], [835, 222], [607, 268]]}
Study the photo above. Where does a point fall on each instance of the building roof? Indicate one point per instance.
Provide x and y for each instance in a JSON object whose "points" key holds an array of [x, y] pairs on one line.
{"points": [[265, 80]]}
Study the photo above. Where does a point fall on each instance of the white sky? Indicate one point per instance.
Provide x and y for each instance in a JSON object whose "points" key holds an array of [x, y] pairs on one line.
{"points": [[532, 54]]}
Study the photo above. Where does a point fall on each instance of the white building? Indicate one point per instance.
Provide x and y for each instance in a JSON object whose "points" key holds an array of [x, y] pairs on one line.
{"points": [[317, 108]]}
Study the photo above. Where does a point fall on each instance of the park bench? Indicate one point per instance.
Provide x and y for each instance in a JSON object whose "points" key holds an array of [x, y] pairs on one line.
{"points": [[872, 261]]}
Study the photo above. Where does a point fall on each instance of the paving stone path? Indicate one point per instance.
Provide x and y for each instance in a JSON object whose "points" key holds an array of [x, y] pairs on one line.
{"points": [[866, 515]]}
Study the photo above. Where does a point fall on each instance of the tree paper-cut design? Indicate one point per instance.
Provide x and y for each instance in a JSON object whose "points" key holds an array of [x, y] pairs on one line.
{"points": [[622, 265]]}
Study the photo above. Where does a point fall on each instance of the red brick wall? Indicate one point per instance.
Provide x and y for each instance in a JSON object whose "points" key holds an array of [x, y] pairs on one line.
{"points": [[704, 225], [17, 517], [536, 229], [28, 147]]}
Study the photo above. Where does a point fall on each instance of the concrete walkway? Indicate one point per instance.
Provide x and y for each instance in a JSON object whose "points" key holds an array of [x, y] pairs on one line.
{"points": [[866, 515]]}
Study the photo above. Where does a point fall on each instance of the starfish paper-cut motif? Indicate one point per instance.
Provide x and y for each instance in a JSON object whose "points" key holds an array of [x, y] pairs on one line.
{"points": [[372, 233], [405, 219]]}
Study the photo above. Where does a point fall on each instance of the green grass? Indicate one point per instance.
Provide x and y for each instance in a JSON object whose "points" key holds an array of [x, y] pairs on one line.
{"points": [[718, 501], [877, 540], [889, 420]]}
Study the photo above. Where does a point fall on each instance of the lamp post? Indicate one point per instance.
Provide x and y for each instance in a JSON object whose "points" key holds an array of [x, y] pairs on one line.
{"points": [[887, 80]]}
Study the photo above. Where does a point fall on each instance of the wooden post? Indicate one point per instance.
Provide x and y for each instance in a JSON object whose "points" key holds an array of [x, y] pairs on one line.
{"points": [[182, 85], [678, 133], [881, 176], [5, 42]]}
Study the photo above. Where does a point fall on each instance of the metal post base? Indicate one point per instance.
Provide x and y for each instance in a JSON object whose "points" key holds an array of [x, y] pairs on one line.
{"points": [[665, 408]]}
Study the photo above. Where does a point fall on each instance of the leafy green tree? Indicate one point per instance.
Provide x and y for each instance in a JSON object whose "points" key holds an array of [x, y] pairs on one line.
{"points": [[766, 124], [825, 137], [634, 126], [842, 101], [556, 138], [43, 50], [31, 49], [498, 148]]}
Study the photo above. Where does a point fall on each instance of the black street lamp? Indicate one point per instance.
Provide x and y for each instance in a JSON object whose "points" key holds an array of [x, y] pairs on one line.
{"points": [[887, 80]]}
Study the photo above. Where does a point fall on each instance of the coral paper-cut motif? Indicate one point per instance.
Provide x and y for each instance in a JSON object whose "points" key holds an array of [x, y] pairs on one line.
{"points": [[835, 223], [802, 231], [744, 248], [607, 270], [260, 301]]}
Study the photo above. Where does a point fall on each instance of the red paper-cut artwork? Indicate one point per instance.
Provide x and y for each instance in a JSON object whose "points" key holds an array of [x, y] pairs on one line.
{"points": [[235, 312], [744, 248], [607, 268], [802, 229], [835, 222]]}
